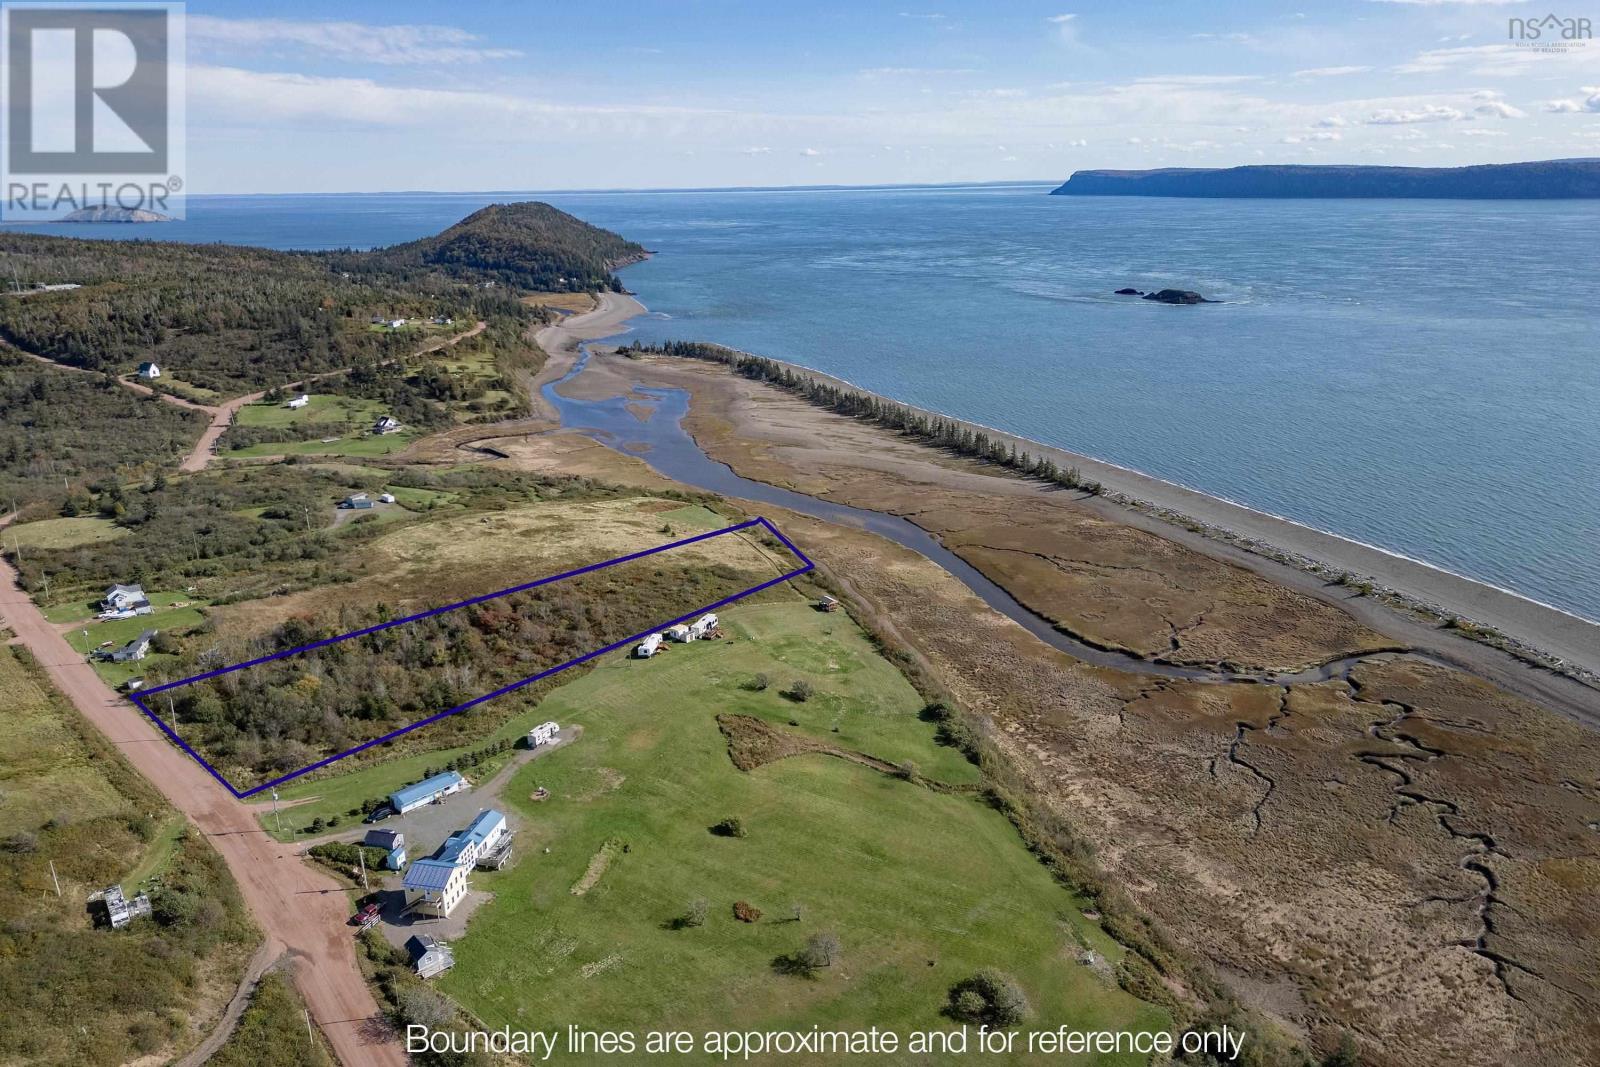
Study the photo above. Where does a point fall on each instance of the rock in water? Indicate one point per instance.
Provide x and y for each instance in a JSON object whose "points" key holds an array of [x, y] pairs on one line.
{"points": [[1129, 292], [1177, 296]]}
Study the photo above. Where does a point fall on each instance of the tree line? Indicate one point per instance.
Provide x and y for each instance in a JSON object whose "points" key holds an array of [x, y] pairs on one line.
{"points": [[952, 435]]}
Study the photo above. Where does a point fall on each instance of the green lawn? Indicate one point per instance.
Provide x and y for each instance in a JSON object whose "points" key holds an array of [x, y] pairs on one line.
{"points": [[84, 610], [323, 407], [692, 519], [66, 533], [121, 631], [922, 888]]}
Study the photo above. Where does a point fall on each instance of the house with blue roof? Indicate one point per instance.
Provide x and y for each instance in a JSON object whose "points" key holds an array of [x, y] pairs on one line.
{"points": [[434, 886], [426, 791]]}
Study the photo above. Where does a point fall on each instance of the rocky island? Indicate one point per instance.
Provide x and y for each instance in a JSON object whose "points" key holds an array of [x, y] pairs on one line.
{"points": [[1168, 296]]}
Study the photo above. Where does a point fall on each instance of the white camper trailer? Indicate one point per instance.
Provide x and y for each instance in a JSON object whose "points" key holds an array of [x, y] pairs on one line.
{"points": [[703, 626], [680, 633], [543, 734], [648, 647]]}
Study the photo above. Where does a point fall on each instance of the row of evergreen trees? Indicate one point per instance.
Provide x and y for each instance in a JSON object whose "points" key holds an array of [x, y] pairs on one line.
{"points": [[936, 430]]}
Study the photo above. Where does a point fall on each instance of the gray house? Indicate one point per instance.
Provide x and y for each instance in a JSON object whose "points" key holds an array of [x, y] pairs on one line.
{"points": [[134, 650], [433, 957], [126, 598]]}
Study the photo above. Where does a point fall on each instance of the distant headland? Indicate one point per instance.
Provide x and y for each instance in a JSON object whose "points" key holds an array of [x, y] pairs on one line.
{"points": [[1552, 179]]}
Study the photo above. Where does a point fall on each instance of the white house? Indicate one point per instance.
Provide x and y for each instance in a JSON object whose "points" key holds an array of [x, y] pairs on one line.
{"points": [[543, 734], [437, 884], [128, 598], [395, 324], [149, 371], [300, 401], [386, 424], [435, 887], [648, 647]]}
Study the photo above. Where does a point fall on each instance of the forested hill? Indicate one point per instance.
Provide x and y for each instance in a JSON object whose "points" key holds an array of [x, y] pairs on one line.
{"points": [[529, 245], [1547, 180], [230, 320]]}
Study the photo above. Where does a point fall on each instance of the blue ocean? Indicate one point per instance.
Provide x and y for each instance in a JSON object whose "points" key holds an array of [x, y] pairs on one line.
{"points": [[1423, 376]]}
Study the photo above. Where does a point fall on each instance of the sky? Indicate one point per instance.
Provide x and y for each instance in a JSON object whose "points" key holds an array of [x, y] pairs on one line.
{"points": [[711, 93]]}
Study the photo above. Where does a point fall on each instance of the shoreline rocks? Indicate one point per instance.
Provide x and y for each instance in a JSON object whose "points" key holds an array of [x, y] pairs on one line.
{"points": [[1168, 296]]}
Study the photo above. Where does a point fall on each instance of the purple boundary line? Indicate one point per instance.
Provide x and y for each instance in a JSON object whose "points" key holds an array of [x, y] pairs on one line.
{"points": [[138, 698]]}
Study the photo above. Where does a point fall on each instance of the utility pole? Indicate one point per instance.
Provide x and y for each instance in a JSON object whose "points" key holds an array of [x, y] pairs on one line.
{"points": [[172, 714], [54, 879], [276, 822], [311, 1038], [361, 853], [86, 643]]}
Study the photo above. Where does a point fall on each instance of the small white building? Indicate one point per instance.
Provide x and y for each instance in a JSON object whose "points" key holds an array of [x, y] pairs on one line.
{"points": [[543, 734], [386, 498], [356, 502], [680, 633], [648, 647], [386, 424], [300, 401], [395, 324], [149, 371]]}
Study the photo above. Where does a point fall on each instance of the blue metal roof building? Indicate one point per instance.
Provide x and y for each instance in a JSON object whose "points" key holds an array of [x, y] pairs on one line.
{"points": [[426, 791], [465, 845], [429, 876]]}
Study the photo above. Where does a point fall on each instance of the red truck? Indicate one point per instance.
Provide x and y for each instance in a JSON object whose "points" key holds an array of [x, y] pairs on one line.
{"points": [[367, 917]]}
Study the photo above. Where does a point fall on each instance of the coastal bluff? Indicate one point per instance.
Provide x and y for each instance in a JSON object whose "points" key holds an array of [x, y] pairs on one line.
{"points": [[1554, 179]]}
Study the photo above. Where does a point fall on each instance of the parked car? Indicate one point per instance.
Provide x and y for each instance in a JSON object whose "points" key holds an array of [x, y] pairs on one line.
{"points": [[379, 814]]}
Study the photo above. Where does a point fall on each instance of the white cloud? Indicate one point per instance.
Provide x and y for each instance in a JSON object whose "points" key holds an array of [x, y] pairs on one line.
{"points": [[355, 41], [1460, 3], [1482, 132], [1196, 79], [1498, 59], [809, 152], [1333, 122], [1078, 143], [1499, 109], [1329, 72], [758, 150], [1563, 106], [1426, 113], [1066, 26]]}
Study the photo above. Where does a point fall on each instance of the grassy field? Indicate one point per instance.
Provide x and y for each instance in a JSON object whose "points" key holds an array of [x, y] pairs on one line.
{"points": [[70, 800], [66, 533], [272, 1032], [922, 887], [323, 407], [361, 444], [83, 611]]}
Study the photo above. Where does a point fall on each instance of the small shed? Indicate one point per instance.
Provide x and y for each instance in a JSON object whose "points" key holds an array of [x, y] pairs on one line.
{"points": [[828, 603], [386, 498], [300, 401], [396, 859], [543, 734], [433, 957], [356, 502], [680, 633], [384, 839], [385, 424], [149, 371]]}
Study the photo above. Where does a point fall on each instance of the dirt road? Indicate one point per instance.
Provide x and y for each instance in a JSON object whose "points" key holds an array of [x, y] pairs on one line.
{"points": [[301, 910]]}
